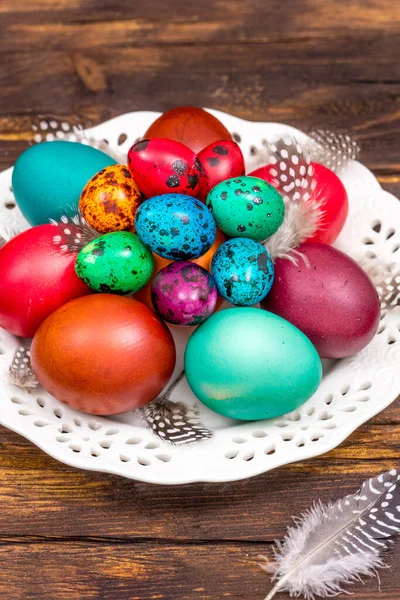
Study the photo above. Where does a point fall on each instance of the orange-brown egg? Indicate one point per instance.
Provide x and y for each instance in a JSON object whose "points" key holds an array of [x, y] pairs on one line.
{"points": [[110, 199], [144, 295]]}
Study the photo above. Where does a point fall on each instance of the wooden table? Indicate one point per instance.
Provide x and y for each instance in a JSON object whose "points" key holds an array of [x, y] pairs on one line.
{"points": [[71, 535]]}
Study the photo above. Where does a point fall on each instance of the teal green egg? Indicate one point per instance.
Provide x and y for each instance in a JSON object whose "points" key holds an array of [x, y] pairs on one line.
{"points": [[249, 364], [246, 207], [48, 178], [116, 263]]}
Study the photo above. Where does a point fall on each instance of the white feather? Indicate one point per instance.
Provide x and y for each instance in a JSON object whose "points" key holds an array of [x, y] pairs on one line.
{"points": [[337, 544], [300, 222]]}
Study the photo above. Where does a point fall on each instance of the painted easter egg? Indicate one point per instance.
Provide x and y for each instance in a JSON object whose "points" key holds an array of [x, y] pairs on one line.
{"points": [[243, 271], [176, 226], [249, 364], [36, 278], [184, 293], [329, 191], [246, 207], [190, 125], [220, 161], [103, 354], [48, 178], [110, 199], [328, 297], [161, 166], [116, 262], [144, 295]]}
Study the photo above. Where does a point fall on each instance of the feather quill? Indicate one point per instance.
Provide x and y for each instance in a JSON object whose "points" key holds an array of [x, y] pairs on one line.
{"points": [[336, 544]]}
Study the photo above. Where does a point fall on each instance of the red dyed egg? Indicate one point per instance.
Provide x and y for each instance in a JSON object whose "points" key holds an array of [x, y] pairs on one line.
{"points": [[190, 125], [328, 297], [331, 190], [161, 166], [103, 354], [36, 278], [220, 160]]}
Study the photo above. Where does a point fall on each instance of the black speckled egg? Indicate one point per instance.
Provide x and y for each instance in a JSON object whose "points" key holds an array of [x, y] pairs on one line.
{"points": [[243, 271], [175, 226]]}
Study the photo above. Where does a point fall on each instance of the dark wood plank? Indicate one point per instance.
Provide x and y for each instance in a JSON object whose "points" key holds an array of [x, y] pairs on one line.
{"points": [[353, 85], [66, 24], [148, 571]]}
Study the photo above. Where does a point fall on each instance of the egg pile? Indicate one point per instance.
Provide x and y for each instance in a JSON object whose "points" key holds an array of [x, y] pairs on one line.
{"points": [[119, 253]]}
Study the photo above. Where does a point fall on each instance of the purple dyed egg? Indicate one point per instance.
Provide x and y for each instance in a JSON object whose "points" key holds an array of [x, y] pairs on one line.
{"points": [[328, 297], [183, 293]]}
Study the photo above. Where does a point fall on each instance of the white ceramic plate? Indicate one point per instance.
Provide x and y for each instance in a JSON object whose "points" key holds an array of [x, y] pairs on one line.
{"points": [[352, 390]]}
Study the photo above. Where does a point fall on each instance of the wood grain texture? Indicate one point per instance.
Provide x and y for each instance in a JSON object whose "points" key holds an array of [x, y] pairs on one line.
{"points": [[100, 570], [72, 535]]}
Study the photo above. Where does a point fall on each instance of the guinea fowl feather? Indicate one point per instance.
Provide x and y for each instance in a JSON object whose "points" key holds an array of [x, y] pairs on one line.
{"points": [[337, 544]]}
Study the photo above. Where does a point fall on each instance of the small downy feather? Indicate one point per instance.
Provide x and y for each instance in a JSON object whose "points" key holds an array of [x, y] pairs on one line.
{"points": [[337, 544], [21, 373], [334, 149], [74, 233], [174, 422], [294, 178], [300, 222]]}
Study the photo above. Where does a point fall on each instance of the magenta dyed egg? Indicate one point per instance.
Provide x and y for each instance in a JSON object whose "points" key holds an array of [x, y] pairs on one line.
{"points": [[183, 293], [328, 297]]}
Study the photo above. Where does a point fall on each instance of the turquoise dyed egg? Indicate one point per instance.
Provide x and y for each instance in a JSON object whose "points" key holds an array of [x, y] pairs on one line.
{"points": [[246, 207], [249, 364], [48, 178], [176, 226], [243, 271], [117, 263]]}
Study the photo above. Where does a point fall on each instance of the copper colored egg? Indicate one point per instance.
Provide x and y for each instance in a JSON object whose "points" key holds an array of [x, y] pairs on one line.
{"points": [[328, 297], [103, 354], [110, 199], [189, 125], [144, 295]]}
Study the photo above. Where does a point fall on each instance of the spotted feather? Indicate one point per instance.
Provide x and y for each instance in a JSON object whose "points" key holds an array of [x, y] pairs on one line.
{"points": [[21, 373], [174, 422], [338, 543]]}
